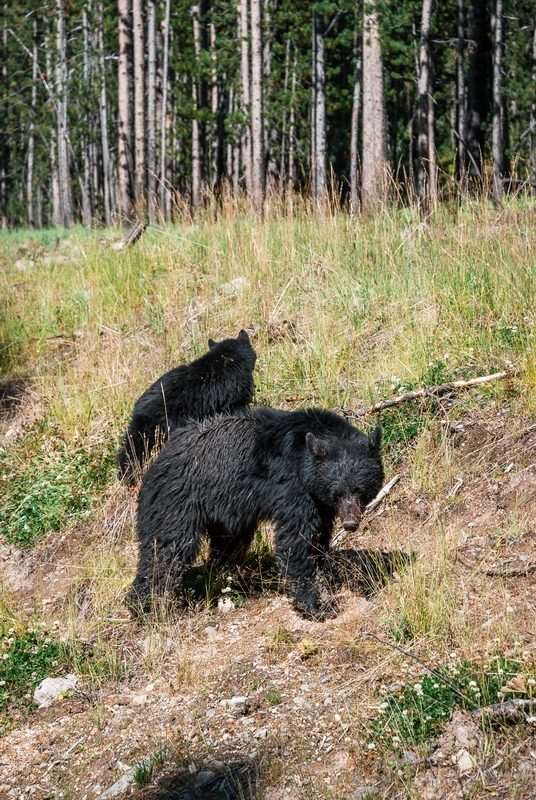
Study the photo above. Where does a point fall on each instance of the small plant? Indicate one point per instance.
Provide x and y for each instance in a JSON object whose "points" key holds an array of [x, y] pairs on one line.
{"points": [[144, 771], [307, 648], [417, 711], [273, 696]]}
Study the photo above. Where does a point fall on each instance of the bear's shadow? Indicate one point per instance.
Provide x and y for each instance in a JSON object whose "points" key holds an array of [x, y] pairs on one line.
{"points": [[364, 572]]}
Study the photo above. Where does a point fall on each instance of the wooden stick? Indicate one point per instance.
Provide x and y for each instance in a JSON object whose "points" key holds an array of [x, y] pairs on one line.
{"points": [[496, 572], [427, 391], [509, 710], [131, 237]]}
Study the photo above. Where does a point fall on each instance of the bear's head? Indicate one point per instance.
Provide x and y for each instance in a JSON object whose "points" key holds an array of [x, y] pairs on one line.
{"points": [[348, 472]]}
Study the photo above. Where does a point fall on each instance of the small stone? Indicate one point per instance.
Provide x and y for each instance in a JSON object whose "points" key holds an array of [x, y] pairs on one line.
{"points": [[361, 792], [465, 762], [235, 704], [202, 778], [138, 699], [210, 632], [51, 688], [236, 285], [261, 733], [211, 712], [299, 701], [328, 701], [225, 605]]}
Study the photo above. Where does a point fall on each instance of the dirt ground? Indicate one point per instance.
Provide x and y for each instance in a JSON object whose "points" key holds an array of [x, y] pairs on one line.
{"points": [[309, 690]]}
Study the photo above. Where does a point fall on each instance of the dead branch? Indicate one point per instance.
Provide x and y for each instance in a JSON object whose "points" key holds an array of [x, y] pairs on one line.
{"points": [[131, 238], [496, 572], [341, 536], [427, 391], [509, 711]]}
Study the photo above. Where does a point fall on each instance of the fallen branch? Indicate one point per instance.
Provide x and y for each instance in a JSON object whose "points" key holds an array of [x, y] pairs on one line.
{"points": [[428, 391], [341, 536], [496, 572], [509, 711], [131, 238]]}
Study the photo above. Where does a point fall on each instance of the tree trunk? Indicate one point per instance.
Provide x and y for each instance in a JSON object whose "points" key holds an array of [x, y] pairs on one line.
{"points": [[496, 138], [257, 121], [103, 114], [151, 108], [477, 86], [532, 140], [245, 99], [139, 108], [424, 172], [125, 128], [292, 127], [64, 178], [319, 110], [163, 131], [5, 152], [354, 134], [85, 182], [31, 138], [214, 107], [374, 160], [197, 190], [284, 121], [461, 159]]}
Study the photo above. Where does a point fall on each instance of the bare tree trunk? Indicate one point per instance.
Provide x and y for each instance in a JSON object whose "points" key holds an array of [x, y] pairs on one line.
{"points": [[496, 138], [532, 142], [374, 161], [319, 110], [257, 121], [4, 155], [103, 114], [151, 107], [64, 178], [163, 132], [424, 171], [354, 140], [125, 128], [85, 183], [31, 138], [139, 108], [460, 105], [245, 99], [197, 189], [214, 106], [477, 85], [282, 179]]}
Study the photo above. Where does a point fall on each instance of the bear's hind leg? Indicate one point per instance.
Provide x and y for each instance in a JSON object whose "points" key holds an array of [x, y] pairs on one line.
{"points": [[229, 548]]}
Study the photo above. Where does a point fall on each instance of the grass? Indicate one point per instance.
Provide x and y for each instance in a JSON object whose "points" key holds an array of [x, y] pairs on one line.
{"points": [[378, 306]]}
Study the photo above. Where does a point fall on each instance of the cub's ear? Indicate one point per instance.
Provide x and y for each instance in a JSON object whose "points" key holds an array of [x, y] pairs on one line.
{"points": [[211, 343], [317, 447], [375, 440], [243, 336]]}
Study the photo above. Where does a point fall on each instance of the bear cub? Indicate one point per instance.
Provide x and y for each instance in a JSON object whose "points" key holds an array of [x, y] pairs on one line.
{"points": [[220, 381], [221, 478]]}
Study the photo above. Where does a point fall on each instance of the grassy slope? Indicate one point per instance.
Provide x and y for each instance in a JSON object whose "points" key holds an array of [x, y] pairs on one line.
{"points": [[377, 305]]}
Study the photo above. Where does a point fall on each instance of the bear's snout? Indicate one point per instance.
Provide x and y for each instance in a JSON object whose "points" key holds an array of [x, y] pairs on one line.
{"points": [[350, 514]]}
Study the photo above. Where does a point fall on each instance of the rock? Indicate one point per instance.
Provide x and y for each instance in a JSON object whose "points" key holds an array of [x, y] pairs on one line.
{"points": [[465, 762], [236, 285], [328, 701], [361, 792], [139, 699], [261, 733], [225, 605], [299, 701], [51, 688], [211, 632], [202, 778], [236, 704]]}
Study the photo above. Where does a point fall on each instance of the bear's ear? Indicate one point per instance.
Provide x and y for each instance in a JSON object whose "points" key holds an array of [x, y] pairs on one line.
{"points": [[375, 440], [211, 343], [317, 447], [243, 336]]}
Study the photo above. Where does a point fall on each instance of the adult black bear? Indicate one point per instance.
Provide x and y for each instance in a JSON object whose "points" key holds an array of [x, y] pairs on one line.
{"points": [[221, 380], [222, 477]]}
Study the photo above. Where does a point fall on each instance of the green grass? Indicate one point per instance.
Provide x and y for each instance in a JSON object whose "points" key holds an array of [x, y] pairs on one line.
{"points": [[418, 710]]}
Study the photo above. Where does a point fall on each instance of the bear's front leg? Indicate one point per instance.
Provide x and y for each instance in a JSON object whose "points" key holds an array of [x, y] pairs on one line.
{"points": [[295, 544]]}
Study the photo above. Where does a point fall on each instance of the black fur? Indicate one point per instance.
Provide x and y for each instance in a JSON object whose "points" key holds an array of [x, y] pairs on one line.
{"points": [[221, 380], [222, 477]]}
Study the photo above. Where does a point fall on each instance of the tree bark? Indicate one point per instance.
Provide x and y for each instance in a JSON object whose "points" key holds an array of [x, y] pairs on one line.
{"points": [[354, 135], [477, 85], [532, 140], [125, 128], [245, 98], [257, 120], [214, 107], [374, 160], [64, 178], [31, 138], [496, 137], [197, 189], [151, 108], [282, 180], [139, 108], [163, 130], [5, 153], [424, 167], [319, 110], [292, 128], [103, 114], [85, 182], [461, 160]]}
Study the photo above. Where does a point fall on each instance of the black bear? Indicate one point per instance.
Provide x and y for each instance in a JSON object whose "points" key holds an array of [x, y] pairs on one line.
{"points": [[298, 469], [221, 380]]}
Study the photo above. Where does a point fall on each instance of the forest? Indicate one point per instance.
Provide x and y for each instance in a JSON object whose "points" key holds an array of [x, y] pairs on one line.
{"points": [[151, 109]]}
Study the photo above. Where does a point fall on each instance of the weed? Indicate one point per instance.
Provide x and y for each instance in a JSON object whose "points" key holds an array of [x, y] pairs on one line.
{"points": [[273, 696], [417, 711], [145, 769]]}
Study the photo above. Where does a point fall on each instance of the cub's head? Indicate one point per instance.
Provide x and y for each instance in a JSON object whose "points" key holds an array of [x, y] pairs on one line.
{"points": [[348, 473]]}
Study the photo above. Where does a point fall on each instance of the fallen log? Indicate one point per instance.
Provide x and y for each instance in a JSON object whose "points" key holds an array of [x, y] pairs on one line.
{"points": [[427, 391], [508, 711], [131, 237]]}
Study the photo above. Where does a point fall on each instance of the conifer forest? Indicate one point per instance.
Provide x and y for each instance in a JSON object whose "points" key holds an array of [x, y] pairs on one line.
{"points": [[152, 108]]}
